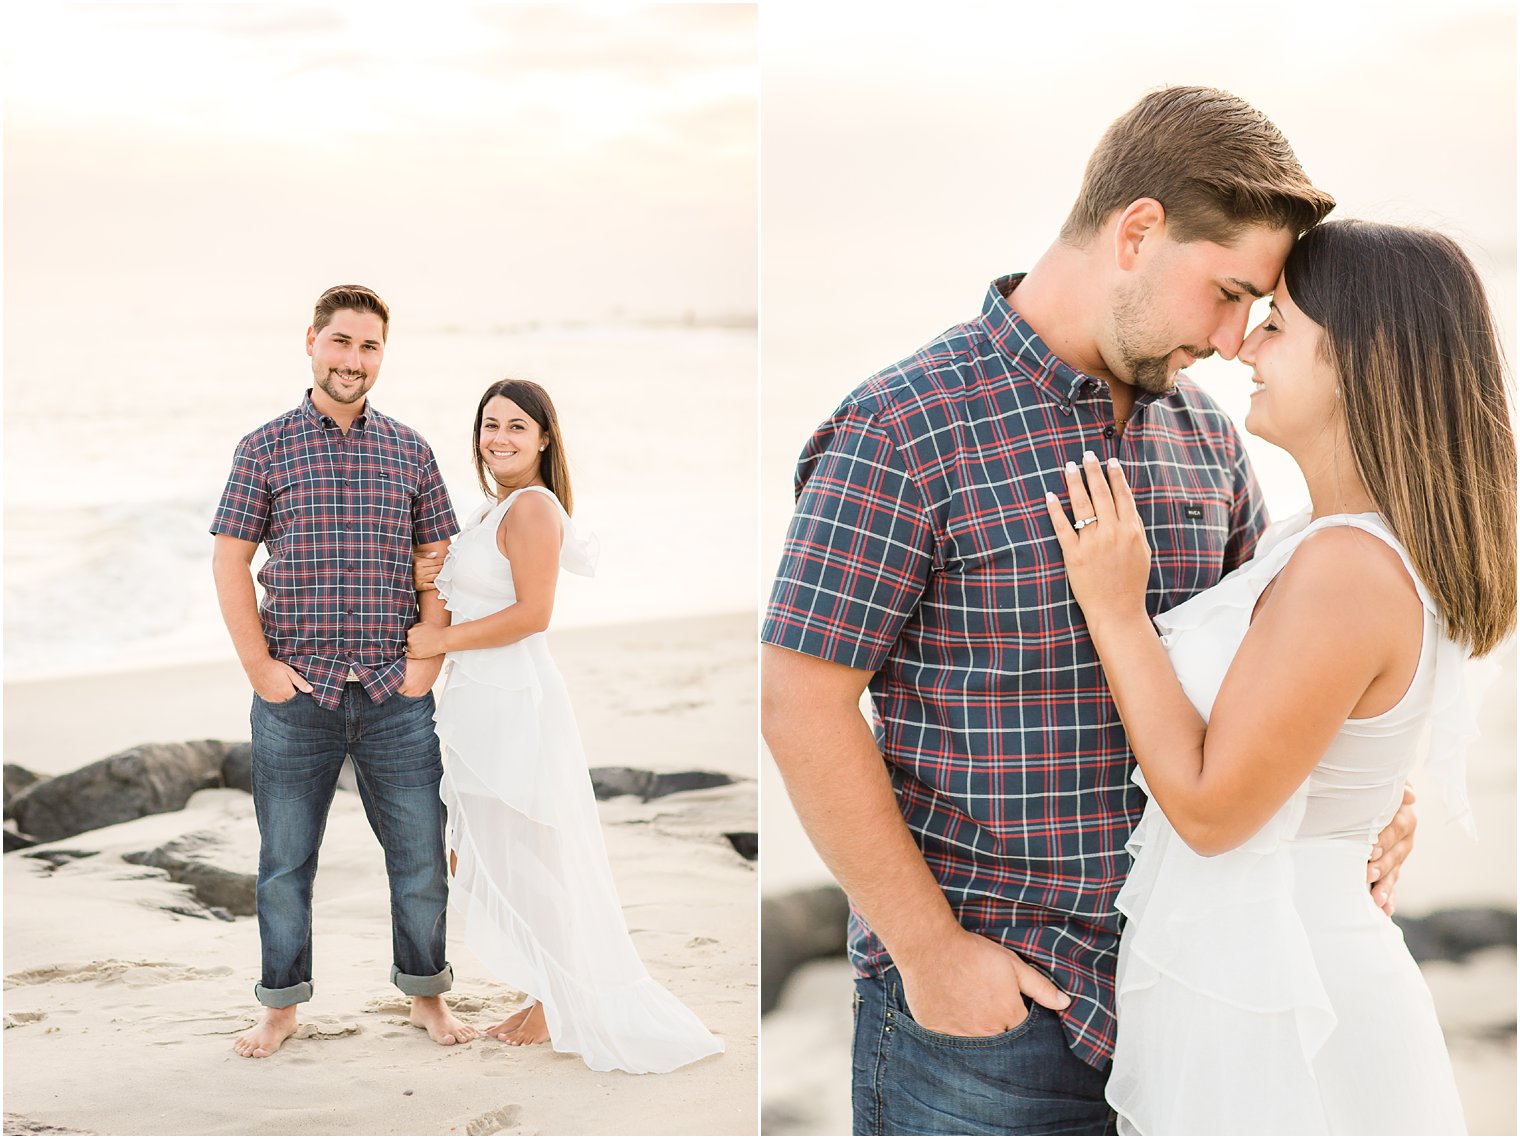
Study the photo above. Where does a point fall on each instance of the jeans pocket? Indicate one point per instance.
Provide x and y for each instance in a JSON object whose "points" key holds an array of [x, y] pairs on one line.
{"points": [[1024, 1081], [903, 1019]]}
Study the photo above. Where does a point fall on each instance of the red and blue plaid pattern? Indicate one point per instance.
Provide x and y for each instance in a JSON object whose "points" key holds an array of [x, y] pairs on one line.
{"points": [[921, 550], [339, 514]]}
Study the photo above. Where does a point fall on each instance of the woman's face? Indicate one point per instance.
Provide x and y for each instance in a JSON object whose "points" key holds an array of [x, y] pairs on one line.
{"points": [[511, 443], [1295, 404]]}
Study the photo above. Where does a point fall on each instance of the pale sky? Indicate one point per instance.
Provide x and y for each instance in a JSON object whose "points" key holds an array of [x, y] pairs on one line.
{"points": [[478, 163]]}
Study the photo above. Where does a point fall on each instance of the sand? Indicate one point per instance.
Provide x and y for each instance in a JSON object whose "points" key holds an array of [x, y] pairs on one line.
{"points": [[806, 1077], [120, 1012]]}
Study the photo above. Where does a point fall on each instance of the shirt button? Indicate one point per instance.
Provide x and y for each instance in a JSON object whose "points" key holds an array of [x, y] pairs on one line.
{"points": [[1108, 432]]}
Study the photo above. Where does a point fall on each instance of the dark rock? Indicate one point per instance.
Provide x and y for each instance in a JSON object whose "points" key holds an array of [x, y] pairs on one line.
{"points": [[609, 782], [56, 858], [237, 770], [17, 779], [671, 782], [194, 860], [1456, 934], [747, 843], [146, 780], [14, 840], [784, 1119], [200, 913], [796, 928]]}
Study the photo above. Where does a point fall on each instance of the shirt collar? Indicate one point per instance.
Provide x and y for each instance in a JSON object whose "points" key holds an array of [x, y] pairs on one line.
{"points": [[309, 410], [1017, 340]]}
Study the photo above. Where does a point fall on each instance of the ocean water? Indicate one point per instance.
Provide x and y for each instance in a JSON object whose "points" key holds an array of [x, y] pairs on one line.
{"points": [[116, 454]]}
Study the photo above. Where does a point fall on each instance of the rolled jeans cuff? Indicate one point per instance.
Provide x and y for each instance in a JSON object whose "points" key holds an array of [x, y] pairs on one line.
{"points": [[440, 982], [283, 998]]}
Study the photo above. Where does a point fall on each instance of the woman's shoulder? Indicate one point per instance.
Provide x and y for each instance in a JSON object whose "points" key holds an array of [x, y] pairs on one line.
{"points": [[1349, 574], [533, 510]]}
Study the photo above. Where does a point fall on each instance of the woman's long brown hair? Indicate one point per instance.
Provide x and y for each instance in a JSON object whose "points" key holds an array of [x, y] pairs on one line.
{"points": [[1409, 331]]}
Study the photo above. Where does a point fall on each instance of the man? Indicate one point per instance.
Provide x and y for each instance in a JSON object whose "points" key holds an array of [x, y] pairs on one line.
{"points": [[980, 832], [342, 496]]}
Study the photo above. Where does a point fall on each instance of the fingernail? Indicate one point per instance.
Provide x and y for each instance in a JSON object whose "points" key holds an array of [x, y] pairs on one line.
{"points": [[1377, 852], [1113, 462], [1050, 496], [1070, 466], [1088, 456], [1373, 874], [1382, 897]]}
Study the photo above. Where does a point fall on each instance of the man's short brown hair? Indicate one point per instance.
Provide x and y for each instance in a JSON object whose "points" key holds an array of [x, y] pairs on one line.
{"points": [[355, 297], [1215, 163]]}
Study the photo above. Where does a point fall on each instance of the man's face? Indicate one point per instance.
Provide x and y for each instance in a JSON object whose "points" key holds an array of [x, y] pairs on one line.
{"points": [[1187, 300], [346, 355]]}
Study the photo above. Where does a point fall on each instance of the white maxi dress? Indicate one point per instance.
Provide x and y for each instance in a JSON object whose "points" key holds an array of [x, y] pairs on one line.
{"points": [[533, 882], [1261, 991]]}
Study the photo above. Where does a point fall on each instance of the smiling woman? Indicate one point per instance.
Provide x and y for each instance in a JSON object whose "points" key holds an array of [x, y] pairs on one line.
{"points": [[515, 781]]}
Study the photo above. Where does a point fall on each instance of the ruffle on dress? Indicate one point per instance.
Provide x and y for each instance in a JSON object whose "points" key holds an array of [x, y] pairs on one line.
{"points": [[1216, 951]]}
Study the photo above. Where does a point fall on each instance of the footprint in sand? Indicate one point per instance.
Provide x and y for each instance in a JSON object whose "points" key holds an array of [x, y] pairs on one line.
{"points": [[133, 974], [17, 1019], [391, 1006], [493, 1121], [325, 1030], [402, 1007]]}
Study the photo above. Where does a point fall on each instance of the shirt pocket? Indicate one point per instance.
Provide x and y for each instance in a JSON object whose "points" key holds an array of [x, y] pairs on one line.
{"points": [[385, 495], [1189, 532]]}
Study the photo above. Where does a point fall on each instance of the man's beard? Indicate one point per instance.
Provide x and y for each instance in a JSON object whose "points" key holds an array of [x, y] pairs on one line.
{"points": [[1141, 367], [336, 394]]}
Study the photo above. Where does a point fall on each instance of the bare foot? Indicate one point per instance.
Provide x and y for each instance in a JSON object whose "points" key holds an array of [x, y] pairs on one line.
{"points": [[434, 1015], [265, 1038], [526, 1026]]}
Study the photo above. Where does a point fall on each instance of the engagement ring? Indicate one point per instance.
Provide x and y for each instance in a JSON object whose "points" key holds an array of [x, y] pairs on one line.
{"points": [[1081, 522]]}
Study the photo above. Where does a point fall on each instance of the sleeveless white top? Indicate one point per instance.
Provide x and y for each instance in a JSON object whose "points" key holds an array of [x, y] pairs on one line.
{"points": [[1260, 990], [1356, 787]]}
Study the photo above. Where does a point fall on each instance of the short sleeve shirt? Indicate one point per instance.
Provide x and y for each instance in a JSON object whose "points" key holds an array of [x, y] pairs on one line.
{"points": [[921, 550], [339, 514]]}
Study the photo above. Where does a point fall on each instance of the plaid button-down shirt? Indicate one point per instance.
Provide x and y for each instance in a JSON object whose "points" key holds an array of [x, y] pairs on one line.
{"points": [[339, 514], [921, 550]]}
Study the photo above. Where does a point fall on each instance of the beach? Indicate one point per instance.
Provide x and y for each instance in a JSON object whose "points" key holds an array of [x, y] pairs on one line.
{"points": [[123, 993]]}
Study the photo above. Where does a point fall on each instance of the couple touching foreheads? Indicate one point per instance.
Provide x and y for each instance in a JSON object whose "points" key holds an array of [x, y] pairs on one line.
{"points": [[1121, 846], [360, 610]]}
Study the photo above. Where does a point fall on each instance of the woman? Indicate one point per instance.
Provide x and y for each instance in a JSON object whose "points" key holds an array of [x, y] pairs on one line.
{"points": [[1276, 716], [531, 872]]}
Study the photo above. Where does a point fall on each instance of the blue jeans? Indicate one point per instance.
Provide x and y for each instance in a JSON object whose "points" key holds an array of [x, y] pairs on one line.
{"points": [[908, 1080], [298, 750]]}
